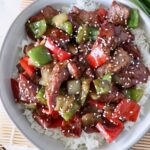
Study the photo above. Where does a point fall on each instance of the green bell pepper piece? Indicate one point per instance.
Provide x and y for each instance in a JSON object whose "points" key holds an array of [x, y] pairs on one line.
{"points": [[73, 87], [102, 86], [39, 56], [59, 19], [38, 28], [134, 93], [93, 33], [40, 96], [67, 106], [67, 27], [85, 87], [133, 21], [85, 33], [107, 77], [68, 114], [60, 100], [82, 34]]}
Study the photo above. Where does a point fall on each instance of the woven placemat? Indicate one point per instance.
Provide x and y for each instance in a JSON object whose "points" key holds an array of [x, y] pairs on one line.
{"points": [[9, 134]]}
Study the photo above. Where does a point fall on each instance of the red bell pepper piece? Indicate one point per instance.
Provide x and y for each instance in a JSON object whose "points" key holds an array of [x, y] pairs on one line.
{"points": [[56, 123], [102, 13], [15, 89], [127, 109], [28, 68], [111, 130], [54, 113], [60, 54], [72, 128], [46, 120], [97, 57], [97, 104]]}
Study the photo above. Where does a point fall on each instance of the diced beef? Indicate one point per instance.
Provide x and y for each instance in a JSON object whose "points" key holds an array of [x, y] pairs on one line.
{"points": [[15, 89], [132, 50], [85, 47], [58, 75], [72, 48], [73, 69], [46, 120], [49, 12], [46, 13], [73, 18], [89, 109], [42, 119], [27, 89], [113, 36], [114, 96], [132, 75], [90, 73], [79, 17], [90, 130], [81, 67], [57, 35], [72, 128], [102, 70], [80, 59], [124, 35], [119, 60], [106, 51], [82, 62], [118, 14], [37, 17], [84, 50], [107, 35], [36, 76]]}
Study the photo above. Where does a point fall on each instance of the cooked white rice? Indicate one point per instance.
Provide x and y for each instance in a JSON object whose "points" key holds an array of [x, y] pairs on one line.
{"points": [[88, 5], [94, 140]]}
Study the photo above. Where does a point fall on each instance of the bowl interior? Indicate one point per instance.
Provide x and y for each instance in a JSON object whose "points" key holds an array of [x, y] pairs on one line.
{"points": [[8, 61]]}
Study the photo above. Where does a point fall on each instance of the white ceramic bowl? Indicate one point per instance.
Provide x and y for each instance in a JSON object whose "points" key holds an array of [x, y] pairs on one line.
{"points": [[8, 58]]}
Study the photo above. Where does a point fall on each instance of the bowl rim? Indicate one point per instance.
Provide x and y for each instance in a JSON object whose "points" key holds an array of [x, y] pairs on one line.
{"points": [[1, 97]]}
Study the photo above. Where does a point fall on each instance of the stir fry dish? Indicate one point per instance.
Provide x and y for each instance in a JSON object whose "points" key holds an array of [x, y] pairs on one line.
{"points": [[81, 70]]}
